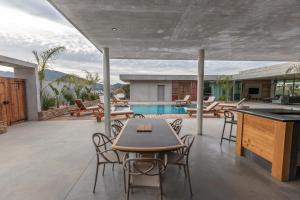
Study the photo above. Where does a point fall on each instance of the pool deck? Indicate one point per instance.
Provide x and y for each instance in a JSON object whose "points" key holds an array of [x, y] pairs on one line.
{"points": [[90, 116]]}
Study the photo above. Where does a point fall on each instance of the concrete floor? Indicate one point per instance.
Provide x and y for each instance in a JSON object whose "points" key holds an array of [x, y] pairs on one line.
{"points": [[55, 160]]}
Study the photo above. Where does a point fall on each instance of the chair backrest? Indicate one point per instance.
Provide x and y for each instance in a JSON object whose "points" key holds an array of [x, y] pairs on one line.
{"points": [[101, 142], [228, 115], [118, 122], [116, 97], [115, 129], [176, 122], [137, 115], [187, 97], [241, 101], [144, 166], [210, 99], [177, 129], [80, 105], [212, 106], [103, 145], [188, 140]]}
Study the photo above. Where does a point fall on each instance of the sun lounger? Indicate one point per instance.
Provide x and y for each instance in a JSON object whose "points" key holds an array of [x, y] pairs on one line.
{"points": [[231, 105], [210, 109], [126, 113], [116, 100], [82, 108], [186, 100], [209, 101]]}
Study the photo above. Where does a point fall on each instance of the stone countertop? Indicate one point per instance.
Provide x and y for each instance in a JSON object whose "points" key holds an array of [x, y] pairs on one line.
{"points": [[284, 115]]}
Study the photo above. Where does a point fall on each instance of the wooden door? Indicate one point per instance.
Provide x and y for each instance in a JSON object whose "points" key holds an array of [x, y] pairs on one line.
{"points": [[12, 100], [17, 100], [4, 101]]}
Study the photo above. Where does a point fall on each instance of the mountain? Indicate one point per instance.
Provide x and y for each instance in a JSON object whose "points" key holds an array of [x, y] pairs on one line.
{"points": [[53, 75], [50, 74], [6, 74]]}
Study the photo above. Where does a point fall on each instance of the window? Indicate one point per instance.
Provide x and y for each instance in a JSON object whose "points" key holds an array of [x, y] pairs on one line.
{"points": [[253, 91]]}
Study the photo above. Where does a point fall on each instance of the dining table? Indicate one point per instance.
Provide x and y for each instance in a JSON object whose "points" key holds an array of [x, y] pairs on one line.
{"points": [[147, 136]]}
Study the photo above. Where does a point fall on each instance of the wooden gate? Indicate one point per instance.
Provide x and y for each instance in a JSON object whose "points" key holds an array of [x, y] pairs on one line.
{"points": [[12, 100]]}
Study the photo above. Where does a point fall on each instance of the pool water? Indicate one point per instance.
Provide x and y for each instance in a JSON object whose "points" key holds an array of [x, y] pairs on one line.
{"points": [[159, 109]]}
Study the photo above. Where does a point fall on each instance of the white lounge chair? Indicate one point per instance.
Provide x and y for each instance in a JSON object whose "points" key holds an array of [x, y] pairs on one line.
{"points": [[232, 105], [185, 101], [209, 109]]}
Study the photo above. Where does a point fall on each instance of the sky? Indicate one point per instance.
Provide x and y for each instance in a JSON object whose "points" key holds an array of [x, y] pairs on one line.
{"points": [[28, 25]]}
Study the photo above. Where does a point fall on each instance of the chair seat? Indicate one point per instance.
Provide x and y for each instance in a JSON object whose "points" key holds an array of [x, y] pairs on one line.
{"points": [[112, 157], [145, 180]]}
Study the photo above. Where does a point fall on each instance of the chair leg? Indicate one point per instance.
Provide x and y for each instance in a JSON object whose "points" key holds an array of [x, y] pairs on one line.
{"points": [[184, 167], [161, 188], [189, 178], [103, 170], [128, 187], [223, 133], [96, 177], [124, 177], [230, 132]]}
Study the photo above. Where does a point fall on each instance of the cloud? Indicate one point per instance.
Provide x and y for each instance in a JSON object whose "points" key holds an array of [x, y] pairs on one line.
{"points": [[36, 25]]}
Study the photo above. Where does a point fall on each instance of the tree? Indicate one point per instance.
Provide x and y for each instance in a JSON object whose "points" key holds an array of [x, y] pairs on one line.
{"points": [[295, 70], [58, 93], [42, 60], [225, 83]]}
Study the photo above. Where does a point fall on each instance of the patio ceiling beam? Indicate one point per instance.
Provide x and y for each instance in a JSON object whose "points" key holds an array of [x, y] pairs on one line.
{"points": [[200, 82], [106, 78]]}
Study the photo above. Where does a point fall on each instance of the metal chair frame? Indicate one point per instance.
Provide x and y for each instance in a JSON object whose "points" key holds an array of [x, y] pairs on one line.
{"points": [[103, 146], [133, 168], [177, 129], [118, 122], [228, 119], [176, 122], [183, 157], [137, 115], [115, 129]]}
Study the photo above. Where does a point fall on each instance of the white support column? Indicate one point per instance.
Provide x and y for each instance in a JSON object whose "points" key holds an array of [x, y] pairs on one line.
{"points": [[200, 82], [106, 79]]}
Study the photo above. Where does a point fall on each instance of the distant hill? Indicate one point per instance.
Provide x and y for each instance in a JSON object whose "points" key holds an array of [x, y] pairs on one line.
{"points": [[6, 74], [53, 75]]}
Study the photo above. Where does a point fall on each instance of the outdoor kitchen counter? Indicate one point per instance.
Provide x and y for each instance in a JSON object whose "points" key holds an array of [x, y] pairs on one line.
{"points": [[270, 137]]}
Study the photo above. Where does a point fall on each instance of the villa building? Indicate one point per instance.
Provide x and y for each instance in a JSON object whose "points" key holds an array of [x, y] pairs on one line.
{"points": [[262, 83]]}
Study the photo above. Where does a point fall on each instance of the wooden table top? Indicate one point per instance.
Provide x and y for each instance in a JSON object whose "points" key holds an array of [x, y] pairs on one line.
{"points": [[161, 138]]}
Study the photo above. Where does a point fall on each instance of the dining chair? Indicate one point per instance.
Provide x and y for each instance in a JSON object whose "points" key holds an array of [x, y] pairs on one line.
{"points": [[115, 130], [176, 122], [177, 129], [143, 172], [118, 122], [228, 119], [137, 115], [105, 155], [181, 157]]}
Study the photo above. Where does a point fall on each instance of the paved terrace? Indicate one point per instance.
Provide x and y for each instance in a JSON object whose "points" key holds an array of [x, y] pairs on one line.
{"points": [[55, 160]]}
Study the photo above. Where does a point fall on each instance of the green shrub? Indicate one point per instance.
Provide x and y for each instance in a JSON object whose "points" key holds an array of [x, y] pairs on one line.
{"points": [[47, 101]]}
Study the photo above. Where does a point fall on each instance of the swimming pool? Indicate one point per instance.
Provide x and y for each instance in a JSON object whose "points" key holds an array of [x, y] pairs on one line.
{"points": [[159, 109]]}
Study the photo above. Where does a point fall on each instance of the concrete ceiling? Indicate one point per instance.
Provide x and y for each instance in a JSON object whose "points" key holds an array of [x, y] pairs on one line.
{"points": [[176, 29]]}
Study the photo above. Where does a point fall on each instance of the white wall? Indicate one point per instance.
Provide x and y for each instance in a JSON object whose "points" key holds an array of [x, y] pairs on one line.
{"points": [[147, 90]]}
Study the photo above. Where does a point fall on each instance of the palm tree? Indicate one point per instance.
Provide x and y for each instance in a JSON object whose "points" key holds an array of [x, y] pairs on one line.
{"points": [[295, 70], [42, 60], [225, 83], [92, 79]]}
